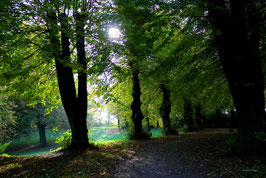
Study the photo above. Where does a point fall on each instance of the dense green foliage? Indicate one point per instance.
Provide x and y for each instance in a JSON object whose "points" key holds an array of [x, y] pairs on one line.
{"points": [[173, 62]]}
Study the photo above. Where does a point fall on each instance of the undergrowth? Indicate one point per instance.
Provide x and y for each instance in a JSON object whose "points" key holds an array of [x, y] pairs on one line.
{"points": [[250, 145]]}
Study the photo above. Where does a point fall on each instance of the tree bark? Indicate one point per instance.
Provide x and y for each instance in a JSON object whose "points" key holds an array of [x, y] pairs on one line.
{"points": [[137, 115], [73, 105], [165, 110], [237, 39], [80, 131], [199, 117], [157, 124], [188, 115]]}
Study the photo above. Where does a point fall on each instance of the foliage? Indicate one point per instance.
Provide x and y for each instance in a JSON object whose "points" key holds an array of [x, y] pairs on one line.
{"points": [[132, 135], [3, 147], [167, 42], [65, 140], [261, 137], [28, 117], [236, 145], [8, 119]]}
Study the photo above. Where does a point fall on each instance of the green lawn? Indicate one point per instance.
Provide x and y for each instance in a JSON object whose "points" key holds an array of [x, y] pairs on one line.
{"points": [[28, 145], [103, 135], [33, 138]]}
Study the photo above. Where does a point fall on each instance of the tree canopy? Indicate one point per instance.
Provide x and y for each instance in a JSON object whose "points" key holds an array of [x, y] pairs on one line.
{"points": [[173, 60]]}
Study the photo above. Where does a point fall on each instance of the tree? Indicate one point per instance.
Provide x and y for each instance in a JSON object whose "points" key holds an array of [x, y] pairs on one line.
{"points": [[165, 111], [29, 118], [49, 47], [199, 117], [237, 32], [134, 15], [188, 116], [75, 104]]}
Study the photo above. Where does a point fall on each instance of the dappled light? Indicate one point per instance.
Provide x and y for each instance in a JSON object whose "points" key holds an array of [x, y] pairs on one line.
{"points": [[165, 88]]}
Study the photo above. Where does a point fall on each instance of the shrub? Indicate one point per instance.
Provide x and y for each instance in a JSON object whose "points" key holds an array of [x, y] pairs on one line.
{"points": [[3, 147], [65, 140], [256, 144], [232, 144], [260, 137], [131, 135]]}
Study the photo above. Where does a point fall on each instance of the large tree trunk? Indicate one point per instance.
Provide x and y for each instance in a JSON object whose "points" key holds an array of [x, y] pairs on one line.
{"points": [[137, 115], [237, 40], [165, 110], [73, 105], [80, 126]]}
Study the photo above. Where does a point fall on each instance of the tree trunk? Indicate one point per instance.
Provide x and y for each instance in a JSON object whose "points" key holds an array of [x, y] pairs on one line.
{"points": [[157, 124], [232, 120], [118, 123], [165, 110], [73, 105], [80, 132], [148, 124], [188, 116], [137, 115], [41, 128], [148, 128], [199, 117], [237, 39]]}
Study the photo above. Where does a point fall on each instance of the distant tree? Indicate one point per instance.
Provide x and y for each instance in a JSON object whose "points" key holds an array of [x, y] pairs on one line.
{"points": [[165, 111], [30, 117], [199, 117], [188, 116], [138, 46]]}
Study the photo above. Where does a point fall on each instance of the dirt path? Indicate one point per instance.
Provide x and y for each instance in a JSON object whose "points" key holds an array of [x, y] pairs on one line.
{"points": [[185, 156]]}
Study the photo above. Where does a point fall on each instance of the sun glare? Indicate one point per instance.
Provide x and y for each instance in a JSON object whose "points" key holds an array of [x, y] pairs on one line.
{"points": [[114, 33]]}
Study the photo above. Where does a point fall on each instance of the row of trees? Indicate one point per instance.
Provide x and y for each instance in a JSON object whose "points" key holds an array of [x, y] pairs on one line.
{"points": [[168, 50]]}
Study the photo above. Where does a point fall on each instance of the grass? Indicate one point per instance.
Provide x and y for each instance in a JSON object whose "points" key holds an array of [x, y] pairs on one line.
{"points": [[156, 133], [107, 134], [33, 139], [28, 145]]}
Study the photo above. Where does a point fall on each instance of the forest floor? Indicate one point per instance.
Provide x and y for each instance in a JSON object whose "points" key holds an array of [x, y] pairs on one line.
{"points": [[191, 155], [201, 154]]}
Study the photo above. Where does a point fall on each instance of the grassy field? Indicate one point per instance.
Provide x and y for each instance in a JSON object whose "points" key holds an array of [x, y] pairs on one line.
{"points": [[33, 139], [28, 145]]}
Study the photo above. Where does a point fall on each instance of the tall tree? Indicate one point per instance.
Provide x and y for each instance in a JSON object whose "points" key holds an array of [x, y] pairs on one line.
{"points": [[237, 32], [134, 15], [165, 111], [188, 115], [75, 104], [137, 115], [48, 49]]}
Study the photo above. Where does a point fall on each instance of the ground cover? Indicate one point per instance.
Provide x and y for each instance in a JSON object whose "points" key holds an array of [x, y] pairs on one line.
{"points": [[29, 145], [194, 155]]}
